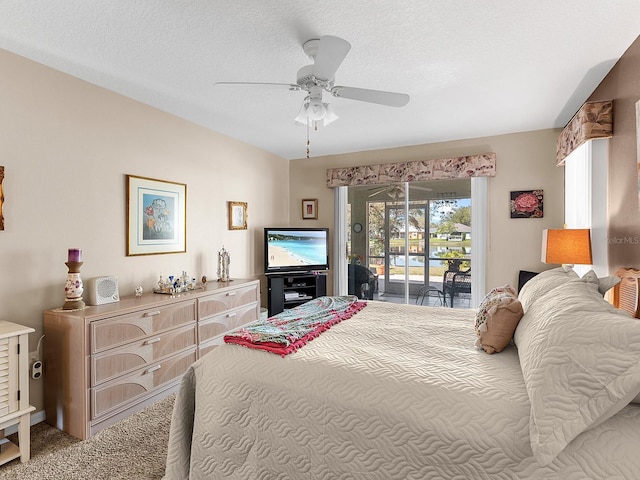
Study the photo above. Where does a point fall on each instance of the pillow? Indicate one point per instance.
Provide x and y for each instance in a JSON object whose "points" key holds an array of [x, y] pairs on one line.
{"points": [[497, 318], [603, 284], [543, 283], [580, 362]]}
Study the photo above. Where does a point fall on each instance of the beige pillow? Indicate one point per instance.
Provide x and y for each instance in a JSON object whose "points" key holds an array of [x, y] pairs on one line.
{"points": [[603, 284], [497, 318], [579, 360]]}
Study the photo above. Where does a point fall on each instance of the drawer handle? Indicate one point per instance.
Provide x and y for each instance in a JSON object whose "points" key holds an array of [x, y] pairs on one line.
{"points": [[152, 314], [229, 315], [151, 341], [231, 294], [153, 369]]}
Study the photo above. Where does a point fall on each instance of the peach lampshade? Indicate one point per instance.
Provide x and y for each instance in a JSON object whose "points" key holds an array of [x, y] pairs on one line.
{"points": [[567, 246]]}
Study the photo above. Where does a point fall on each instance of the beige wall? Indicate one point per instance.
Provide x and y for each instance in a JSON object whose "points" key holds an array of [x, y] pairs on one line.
{"points": [[622, 85], [525, 161], [67, 145]]}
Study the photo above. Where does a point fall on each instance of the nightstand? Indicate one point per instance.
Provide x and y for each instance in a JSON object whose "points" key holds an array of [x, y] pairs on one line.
{"points": [[14, 389]]}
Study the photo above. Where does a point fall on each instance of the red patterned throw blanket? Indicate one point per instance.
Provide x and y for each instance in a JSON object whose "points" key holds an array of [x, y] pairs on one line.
{"points": [[286, 332]]}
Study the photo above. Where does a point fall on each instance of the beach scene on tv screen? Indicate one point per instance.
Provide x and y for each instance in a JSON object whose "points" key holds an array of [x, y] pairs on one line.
{"points": [[296, 249]]}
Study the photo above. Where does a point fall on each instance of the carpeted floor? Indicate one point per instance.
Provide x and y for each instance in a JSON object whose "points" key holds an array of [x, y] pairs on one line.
{"points": [[135, 448]]}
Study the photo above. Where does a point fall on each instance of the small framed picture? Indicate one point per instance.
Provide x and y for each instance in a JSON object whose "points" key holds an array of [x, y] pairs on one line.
{"points": [[527, 204], [310, 209], [156, 216], [237, 215]]}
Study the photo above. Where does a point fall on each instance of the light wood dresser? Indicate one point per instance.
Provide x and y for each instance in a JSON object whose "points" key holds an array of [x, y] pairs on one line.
{"points": [[14, 389], [107, 362]]}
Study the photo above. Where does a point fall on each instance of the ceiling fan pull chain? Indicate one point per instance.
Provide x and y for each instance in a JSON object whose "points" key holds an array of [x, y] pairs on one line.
{"points": [[308, 143]]}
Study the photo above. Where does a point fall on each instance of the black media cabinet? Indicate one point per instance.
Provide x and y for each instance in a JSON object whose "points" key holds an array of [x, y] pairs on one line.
{"points": [[293, 289]]}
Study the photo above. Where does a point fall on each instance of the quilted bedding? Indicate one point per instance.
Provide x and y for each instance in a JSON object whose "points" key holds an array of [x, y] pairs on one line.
{"points": [[395, 392]]}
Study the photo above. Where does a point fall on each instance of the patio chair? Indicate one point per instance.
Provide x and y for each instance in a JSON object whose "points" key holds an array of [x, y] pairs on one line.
{"points": [[429, 291], [455, 282], [362, 282]]}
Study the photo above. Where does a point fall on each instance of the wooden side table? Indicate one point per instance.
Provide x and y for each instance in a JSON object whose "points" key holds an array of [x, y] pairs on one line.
{"points": [[14, 389]]}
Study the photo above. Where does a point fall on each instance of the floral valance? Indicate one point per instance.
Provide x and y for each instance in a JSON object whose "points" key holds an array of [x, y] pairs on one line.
{"points": [[483, 165], [593, 120]]}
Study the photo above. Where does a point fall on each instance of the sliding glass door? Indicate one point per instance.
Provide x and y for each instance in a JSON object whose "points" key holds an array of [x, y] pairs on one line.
{"points": [[408, 235], [398, 245]]}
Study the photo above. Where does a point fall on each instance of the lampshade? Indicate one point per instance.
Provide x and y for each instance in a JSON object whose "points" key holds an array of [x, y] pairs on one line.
{"points": [[568, 246]]}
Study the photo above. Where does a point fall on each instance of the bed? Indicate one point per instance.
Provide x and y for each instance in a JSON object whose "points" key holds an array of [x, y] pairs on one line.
{"points": [[401, 392]]}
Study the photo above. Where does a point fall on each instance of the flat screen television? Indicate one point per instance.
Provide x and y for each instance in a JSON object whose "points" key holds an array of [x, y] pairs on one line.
{"points": [[291, 249]]}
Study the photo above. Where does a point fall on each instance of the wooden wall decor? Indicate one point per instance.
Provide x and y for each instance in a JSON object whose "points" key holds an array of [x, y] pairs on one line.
{"points": [[638, 148], [1, 197], [483, 165], [593, 120]]}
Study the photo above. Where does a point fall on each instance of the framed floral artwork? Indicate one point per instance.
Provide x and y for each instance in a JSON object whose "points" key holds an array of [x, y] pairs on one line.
{"points": [[310, 209], [156, 216], [527, 204]]}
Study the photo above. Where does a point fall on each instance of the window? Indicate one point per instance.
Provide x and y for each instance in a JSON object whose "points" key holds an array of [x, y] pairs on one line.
{"points": [[585, 200]]}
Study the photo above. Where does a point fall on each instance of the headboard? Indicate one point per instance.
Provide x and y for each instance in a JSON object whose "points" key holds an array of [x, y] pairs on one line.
{"points": [[523, 277], [626, 294]]}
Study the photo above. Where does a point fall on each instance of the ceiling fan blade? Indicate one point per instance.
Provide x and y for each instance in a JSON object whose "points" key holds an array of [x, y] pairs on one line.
{"points": [[424, 189], [290, 86], [382, 190], [331, 53], [390, 99]]}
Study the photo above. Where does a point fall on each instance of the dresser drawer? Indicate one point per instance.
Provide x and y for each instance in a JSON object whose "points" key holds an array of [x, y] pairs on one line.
{"points": [[219, 302], [118, 331], [224, 322], [114, 395], [112, 363]]}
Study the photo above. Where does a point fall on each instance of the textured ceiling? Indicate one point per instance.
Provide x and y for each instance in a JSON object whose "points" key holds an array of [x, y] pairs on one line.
{"points": [[472, 68]]}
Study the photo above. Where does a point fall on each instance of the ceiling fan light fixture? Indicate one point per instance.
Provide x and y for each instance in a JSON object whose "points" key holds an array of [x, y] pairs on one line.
{"points": [[313, 111], [330, 116], [316, 109], [302, 118]]}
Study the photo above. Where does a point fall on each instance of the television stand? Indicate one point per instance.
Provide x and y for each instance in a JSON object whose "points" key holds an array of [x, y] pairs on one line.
{"points": [[289, 290]]}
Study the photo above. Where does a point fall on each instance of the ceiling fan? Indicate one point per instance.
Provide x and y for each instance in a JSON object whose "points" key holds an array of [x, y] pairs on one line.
{"points": [[328, 52], [396, 191]]}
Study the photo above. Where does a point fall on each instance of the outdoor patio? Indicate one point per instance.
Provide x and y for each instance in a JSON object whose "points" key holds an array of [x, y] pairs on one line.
{"points": [[432, 299]]}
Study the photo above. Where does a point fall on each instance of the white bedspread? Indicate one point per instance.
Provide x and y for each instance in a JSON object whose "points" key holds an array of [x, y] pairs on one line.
{"points": [[396, 392]]}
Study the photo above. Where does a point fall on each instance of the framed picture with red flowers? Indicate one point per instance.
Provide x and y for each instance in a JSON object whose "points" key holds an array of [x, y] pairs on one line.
{"points": [[527, 204], [156, 216]]}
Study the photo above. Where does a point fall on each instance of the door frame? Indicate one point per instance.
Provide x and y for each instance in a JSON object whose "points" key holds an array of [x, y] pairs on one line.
{"points": [[479, 216]]}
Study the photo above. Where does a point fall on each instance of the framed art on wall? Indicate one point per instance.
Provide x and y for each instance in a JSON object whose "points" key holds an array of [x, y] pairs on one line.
{"points": [[310, 209], [156, 216], [527, 204], [1, 198], [237, 215], [638, 148]]}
